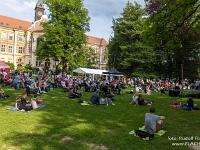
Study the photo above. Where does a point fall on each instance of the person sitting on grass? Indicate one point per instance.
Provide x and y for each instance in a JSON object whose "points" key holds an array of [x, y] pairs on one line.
{"points": [[76, 91], [153, 123], [2, 94], [24, 105], [134, 98], [71, 94], [190, 104], [107, 101], [95, 99], [140, 101], [110, 95], [34, 101]]}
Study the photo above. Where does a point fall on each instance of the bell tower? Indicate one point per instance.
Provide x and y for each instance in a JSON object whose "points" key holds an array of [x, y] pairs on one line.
{"points": [[39, 10]]}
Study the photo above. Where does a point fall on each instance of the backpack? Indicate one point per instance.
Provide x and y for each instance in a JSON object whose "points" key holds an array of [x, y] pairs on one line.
{"points": [[80, 101], [144, 134]]}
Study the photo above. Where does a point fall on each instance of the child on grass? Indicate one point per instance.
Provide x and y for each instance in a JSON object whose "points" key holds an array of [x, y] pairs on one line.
{"points": [[17, 102]]}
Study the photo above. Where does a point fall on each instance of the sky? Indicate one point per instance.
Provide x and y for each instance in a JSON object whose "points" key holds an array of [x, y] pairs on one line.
{"points": [[101, 13]]}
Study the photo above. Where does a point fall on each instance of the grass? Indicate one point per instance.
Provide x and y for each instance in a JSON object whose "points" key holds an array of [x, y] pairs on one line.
{"points": [[65, 124]]}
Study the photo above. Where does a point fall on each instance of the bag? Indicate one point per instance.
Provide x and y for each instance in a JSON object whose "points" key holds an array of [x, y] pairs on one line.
{"points": [[144, 134], [80, 101]]}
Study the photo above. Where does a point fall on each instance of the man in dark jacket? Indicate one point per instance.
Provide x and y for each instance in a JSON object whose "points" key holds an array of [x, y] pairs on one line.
{"points": [[95, 98]]}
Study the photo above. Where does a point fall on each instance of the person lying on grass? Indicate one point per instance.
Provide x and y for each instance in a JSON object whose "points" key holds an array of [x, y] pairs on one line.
{"points": [[140, 101], [95, 99], [24, 104], [153, 123]]}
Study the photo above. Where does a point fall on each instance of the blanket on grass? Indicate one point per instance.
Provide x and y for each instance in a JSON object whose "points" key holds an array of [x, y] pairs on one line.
{"points": [[85, 103], [175, 106], [16, 109], [183, 107], [156, 135]]}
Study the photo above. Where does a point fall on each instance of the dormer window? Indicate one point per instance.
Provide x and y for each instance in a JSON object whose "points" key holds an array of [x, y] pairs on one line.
{"points": [[1, 23], [7, 24], [20, 27]]}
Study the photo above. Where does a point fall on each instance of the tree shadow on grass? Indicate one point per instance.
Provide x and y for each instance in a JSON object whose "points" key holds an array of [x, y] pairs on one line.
{"points": [[65, 124]]}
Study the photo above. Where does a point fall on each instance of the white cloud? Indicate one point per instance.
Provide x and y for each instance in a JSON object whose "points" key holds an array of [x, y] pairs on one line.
{"points": [[19, 6], [100, 11]]}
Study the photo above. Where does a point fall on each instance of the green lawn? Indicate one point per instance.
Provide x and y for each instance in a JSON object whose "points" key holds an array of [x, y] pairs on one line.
{"points": [[65, 124]]}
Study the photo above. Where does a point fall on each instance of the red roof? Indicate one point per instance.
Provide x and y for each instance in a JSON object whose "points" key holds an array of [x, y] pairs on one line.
{"points": [[98, 41], [14, 23]]}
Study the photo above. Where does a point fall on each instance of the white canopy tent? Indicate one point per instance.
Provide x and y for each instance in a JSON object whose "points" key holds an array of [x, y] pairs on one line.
{"points": [[89, 71]]}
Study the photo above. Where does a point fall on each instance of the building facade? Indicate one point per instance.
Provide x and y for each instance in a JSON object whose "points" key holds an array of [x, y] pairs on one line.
{"points": [[97, 48], [19, 40]]}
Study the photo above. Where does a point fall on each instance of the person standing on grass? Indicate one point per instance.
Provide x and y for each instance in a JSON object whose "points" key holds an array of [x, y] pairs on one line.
{"points": [[153, 123]]}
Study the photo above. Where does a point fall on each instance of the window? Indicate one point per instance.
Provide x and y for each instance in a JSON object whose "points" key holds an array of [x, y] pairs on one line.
{"points": [[20, 50], [47, 62], [10, 36], [3, 35], [3, 48], [10, 49], [38, 63], [7, 24], [9, 60], [20, 38]]}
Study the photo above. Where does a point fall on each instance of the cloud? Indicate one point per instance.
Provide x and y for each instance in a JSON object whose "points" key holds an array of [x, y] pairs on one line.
{"points": [[19, 7], [100, 11]]}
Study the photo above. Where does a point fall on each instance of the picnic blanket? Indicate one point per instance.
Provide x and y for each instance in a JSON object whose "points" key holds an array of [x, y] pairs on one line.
{"points": [[156, 135], [85, 103], [183, 107], [16, 109], [175, 106], [41, 105]]}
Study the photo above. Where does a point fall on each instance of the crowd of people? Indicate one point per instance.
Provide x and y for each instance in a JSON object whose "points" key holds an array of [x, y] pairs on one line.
{"points": [[102, 88]]}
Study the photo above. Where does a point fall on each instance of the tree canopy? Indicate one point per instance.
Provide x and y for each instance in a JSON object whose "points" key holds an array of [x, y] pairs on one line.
{"points": [[127, 51], [64, 36], [172, 27]]}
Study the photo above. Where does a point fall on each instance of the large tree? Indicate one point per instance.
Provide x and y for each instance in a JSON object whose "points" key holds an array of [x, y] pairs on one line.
{"points": [[64, 36], [127, 50], [173, 29]]}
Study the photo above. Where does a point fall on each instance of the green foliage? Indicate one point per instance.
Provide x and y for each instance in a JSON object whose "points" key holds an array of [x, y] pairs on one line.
{"points": [[64, 34], [12, 66], [21, 68], [127, 51], [35, 68], [27, 67], [172, 27]]}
